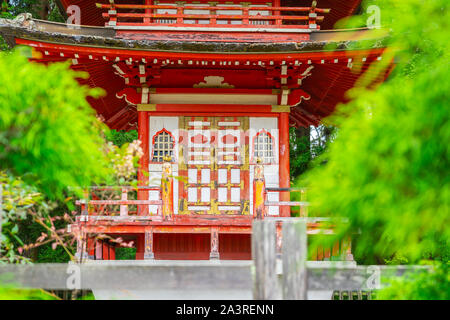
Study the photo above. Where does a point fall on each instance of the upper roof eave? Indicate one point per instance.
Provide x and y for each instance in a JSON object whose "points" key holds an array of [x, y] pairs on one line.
{"points": [[46, 31]]}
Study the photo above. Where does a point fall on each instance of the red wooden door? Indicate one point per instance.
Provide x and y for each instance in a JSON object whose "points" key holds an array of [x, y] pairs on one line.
{"points": [[214, 165]]}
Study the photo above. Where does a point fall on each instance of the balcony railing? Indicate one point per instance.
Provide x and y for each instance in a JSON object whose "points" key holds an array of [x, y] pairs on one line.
{"points": [[132, 16], [115, 201]]}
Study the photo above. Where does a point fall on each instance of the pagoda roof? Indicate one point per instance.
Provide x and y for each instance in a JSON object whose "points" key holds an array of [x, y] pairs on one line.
{"points": [[340, 9], [338, 57]]}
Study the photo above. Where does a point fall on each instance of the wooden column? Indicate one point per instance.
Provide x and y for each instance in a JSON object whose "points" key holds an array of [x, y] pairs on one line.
{"points": [[105, 250], [148, 242], [214, 243], [98, 250], [143, 136], [148, 11], [283, 127], [277, 3], [140, 247], [90, 248], [112, 251]]}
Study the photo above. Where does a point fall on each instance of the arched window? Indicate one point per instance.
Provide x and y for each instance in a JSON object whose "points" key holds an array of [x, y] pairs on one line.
{"points": [[163, 143], [263, 147]]}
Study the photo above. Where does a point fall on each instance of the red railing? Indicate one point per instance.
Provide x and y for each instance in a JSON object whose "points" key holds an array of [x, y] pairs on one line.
{"points": [[100, 206], [178, 16], [260, 195]]}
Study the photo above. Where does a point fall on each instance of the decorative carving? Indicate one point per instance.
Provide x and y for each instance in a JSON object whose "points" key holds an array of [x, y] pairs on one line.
{"points": [[167, 190], [296, 96], [213, 82], [259, 196], [24, 20]]}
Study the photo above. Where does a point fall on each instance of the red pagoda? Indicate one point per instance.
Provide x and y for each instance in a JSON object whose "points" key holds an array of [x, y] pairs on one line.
{"points": [[212, 88]]}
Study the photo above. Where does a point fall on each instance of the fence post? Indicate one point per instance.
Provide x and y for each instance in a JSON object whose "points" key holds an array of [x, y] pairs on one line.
{"points": [[265, 281], [294, 255], [259, 192], [167, 189], [124, 207]]}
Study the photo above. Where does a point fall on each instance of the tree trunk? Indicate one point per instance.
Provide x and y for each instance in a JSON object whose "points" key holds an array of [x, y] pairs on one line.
{"points": [[42, 9]]}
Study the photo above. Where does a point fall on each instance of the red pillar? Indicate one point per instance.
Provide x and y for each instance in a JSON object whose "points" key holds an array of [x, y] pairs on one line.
{"points": [[98, 250], [277, 3], [143, 136], [105, 250], [283, 127], [140, 246], [148, 11], [90, 247]]}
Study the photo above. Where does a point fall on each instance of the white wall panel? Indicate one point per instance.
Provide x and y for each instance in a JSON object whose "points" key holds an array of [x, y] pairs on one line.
{"points": [[271, 171], [155, 169]]}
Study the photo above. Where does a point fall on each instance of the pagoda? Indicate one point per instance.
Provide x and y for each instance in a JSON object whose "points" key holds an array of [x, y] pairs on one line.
{"points": [[212, 87]]}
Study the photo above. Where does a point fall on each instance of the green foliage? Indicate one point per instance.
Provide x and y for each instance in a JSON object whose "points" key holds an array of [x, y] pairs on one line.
{"points": [[121, 137], [387, 170], [17, 197], [299, 150], [306, 144], [123, 253], [419, 286], [40, 9], [46, 254], [49, 134], [31, 6], [25, 294]]}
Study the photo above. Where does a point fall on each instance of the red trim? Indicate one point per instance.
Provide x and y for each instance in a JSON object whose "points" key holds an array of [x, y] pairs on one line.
{"points": [[213, 90], [213, 114], [164, 55]]}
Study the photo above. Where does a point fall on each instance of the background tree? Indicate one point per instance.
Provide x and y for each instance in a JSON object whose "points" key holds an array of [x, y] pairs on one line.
{"points": [[50, 139], [40, 9]]}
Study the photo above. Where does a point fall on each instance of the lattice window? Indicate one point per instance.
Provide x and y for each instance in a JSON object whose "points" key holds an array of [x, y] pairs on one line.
{"points": [[163, 144], [263, 147]]}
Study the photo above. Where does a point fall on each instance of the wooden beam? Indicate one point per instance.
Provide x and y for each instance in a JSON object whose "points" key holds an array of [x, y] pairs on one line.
{"points": [[185, 275]]}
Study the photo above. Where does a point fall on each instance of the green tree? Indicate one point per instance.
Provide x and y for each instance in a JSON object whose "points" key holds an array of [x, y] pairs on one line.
{"points": [[49, 134], [387, 170], [121, 137], [40, 9]]}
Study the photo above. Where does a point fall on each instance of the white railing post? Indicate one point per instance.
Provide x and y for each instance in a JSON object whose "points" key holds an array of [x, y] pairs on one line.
{"points": [[124, 207]]}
